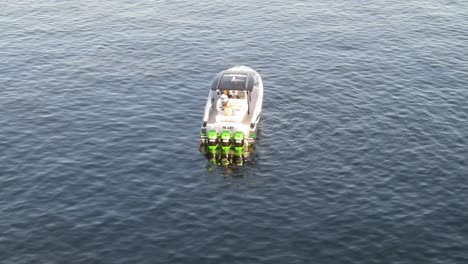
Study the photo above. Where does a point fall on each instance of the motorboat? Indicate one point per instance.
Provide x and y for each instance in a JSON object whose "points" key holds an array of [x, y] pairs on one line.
{"points": [[232, 111]]}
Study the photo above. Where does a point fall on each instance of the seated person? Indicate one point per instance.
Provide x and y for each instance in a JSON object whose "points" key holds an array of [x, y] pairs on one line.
{"points": [[234, 110], [223, 99], [233, 94], [228, 109]]}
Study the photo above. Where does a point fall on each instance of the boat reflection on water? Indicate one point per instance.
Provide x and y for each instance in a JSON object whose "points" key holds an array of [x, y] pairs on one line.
{"points": [[228, 158]]}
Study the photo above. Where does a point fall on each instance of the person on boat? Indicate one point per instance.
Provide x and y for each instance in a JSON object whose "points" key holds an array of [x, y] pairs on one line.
{"points": [[228, 109], [223, 99]]}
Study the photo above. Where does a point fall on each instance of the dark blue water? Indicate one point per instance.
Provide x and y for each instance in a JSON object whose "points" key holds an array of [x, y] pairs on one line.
{"points": [[362, 152]]}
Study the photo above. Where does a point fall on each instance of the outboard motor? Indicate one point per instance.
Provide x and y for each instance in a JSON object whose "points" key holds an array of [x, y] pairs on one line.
{"points": [[239, 141], [226, 140], [212, 139]]}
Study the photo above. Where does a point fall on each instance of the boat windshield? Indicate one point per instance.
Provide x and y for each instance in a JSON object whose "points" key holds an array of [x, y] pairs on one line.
{"points": [[233, 82]]}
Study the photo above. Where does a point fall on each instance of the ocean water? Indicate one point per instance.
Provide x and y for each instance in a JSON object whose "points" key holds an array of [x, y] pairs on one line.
{"points": [[362, 150]]}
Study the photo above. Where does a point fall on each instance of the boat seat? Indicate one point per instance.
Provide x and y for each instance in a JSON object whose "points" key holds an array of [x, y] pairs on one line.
{"points": [[239, 111]]}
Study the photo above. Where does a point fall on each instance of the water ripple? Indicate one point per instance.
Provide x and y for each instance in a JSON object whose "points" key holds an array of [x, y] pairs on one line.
{"points": [[362, 146]]}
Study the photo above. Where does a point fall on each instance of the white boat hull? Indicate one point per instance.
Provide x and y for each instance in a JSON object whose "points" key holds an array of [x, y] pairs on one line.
{"points": [[234, 104]]}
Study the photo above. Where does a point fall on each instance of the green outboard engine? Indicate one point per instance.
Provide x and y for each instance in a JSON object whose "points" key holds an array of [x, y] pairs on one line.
{"points": [[239, 141], [226, 140], [212, 139]]}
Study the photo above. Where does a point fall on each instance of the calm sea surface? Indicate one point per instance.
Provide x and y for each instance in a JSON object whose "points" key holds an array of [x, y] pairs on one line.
{"points": [[362, 154]]}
